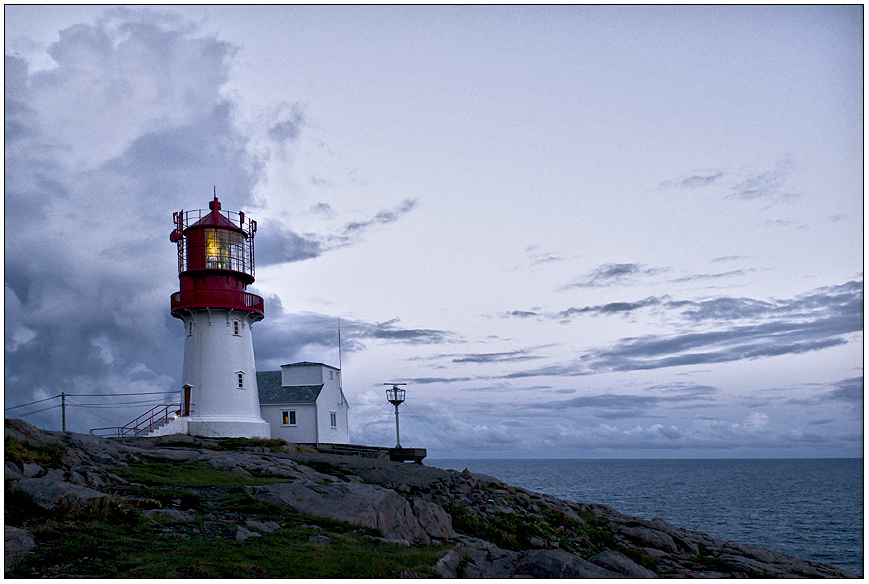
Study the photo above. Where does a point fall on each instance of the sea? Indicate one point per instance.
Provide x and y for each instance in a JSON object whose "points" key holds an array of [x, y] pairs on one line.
{"points": [[808, 508]]}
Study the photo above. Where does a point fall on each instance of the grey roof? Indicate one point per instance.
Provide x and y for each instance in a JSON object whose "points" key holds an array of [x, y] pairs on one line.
{"points": [[308, 363], [272, 392]]}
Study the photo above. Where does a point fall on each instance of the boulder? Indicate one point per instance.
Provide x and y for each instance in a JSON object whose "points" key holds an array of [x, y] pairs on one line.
{"points": [[617, 562], [449, 563], [12, 471], [168, 515], [30, 470], [242, 533], [54, 495], [17, 543], [560, 564], [267, 526], [21, 430], [359, 504], [647, 537], [437, 523]]}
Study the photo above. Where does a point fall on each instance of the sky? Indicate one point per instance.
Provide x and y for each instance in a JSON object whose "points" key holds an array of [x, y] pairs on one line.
{"points": [[573, 231]]}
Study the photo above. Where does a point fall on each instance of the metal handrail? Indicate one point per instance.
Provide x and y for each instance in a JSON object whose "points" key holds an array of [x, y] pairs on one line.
{"points": [[144, 423]]}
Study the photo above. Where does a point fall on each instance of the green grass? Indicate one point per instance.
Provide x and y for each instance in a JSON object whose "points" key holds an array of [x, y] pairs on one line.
{"points": [[115, 539], [189, 474], [271, 444], [106, 550], [46, 455]]}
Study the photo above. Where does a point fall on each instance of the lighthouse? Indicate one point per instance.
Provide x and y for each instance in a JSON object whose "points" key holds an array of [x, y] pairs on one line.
{"points": [[219, 396]]}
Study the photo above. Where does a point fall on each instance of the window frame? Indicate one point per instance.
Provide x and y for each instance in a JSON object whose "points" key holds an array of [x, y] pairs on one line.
{"points": [[288, 418]]}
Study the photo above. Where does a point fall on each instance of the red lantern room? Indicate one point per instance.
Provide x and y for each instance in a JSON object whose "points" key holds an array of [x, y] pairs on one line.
{"points": [[215, 261]]}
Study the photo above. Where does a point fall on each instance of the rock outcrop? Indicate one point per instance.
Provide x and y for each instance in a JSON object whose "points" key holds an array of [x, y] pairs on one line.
{"points": [[491, 529]]}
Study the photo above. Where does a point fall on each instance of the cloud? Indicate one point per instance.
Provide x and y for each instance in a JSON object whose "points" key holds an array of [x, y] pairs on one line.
{"points": [[694, 181], [814, 321], [849, 390], [613, 274], [277, 245], [381, 218], [505, 357], [483, 358], [610, 308], [732, 258], [743, 328], [696, 277], [288, 125], [388, 331], [283, 245], [127, 126], [770, 185]]}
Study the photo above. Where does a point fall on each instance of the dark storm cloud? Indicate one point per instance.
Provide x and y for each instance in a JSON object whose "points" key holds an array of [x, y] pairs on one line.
{"points": [[276, 245], [613, 274], [127, 127]]}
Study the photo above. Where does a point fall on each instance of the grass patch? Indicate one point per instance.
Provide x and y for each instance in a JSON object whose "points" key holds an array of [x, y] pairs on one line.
{"points": [[189, 474], [44, 454], [505, 530], [271, 444], [107, 547]]}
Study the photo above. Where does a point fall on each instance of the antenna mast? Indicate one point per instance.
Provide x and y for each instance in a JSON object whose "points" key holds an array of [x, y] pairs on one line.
{"points": [[339, 343]]}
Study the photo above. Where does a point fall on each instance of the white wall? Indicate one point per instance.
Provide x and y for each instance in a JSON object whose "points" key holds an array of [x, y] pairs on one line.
{"points": [[331, 400], [303, 432], [213, 356], [302, 375]]}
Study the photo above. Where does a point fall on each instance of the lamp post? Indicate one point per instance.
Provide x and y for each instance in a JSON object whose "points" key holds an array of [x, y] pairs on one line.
{"points": [[395, 396]]}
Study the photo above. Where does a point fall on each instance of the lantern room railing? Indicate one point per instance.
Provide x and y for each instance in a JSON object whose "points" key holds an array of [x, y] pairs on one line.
{"points": [[217, 247], [217, 299]]}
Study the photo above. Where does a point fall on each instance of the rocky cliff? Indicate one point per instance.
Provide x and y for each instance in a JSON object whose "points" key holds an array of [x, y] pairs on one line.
{"points": [[79, 505]]}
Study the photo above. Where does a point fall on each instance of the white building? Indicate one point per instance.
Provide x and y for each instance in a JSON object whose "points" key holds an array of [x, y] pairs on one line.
{"points": [[304, 403]]}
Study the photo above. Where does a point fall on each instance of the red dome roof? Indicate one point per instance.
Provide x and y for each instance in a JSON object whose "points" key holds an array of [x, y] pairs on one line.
{"points": [[215, 218]]}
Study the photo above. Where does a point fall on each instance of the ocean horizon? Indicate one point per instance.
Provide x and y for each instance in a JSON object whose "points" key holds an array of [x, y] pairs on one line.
{"points": [[810, 508]]}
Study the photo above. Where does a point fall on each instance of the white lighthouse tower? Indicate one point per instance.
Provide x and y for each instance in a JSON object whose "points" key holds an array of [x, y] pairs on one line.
{"points": [[215, 265]]}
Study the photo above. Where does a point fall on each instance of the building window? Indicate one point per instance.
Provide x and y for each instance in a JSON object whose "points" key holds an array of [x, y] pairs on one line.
{"points": [[240, 379], [190, 328], [333, 417], [330, 375], [235, 327], [288, 418]]}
